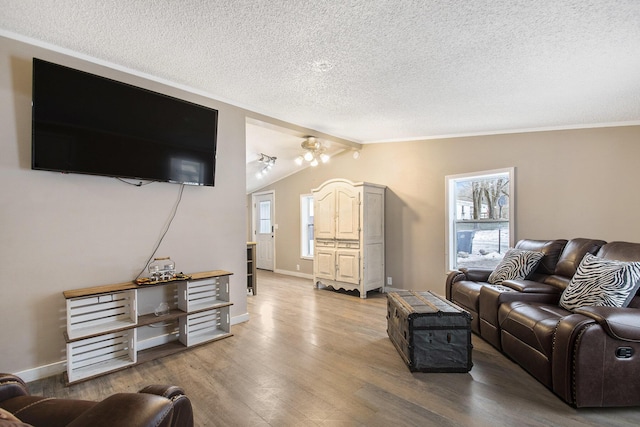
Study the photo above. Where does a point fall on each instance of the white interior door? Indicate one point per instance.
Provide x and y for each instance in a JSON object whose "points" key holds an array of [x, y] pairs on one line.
{"points": [[263, 230]]}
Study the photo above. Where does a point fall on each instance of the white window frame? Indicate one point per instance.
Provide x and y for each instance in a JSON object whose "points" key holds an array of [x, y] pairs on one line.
{"points": [[450, 208], [306, 203]]}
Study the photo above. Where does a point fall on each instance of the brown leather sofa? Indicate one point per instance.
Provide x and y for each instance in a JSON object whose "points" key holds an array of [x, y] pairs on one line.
{"points": [[155, 405], [589, 357]]}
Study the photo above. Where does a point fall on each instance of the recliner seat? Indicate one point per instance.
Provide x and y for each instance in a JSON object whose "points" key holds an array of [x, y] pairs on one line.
{"points": [[464, 288]]}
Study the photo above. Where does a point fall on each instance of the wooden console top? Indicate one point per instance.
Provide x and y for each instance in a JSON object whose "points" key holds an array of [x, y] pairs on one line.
{"points": [[102, 289]]}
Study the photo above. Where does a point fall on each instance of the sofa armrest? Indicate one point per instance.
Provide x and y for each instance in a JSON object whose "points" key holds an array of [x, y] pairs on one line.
{"points": [[474, 275], [619, 323], [45, 411], [531, 286], [453, 277], [567, 332], [182, 409], [590, 367], [128, 409], [167, 391], [492, 296], [477, 274], [12, 386]]}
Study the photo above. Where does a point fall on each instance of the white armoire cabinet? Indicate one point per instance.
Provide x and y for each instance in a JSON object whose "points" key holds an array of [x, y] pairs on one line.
{"points": [[349, 236]]}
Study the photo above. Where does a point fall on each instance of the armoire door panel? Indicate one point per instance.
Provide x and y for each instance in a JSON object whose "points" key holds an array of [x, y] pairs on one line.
{"points": [[325, 264], [348, 266], [324, 216], [348, 214]]}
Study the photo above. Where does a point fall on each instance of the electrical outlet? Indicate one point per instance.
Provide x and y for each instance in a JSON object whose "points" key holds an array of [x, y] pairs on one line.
{"points": [[298, 267], [389, 281]]}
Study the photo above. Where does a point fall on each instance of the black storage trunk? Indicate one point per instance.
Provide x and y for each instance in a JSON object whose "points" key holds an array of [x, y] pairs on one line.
{"points": [[430, 333]]}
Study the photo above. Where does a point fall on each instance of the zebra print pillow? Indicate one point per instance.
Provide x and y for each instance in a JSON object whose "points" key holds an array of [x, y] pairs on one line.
{"points": [[517, 264], [601, 282]]}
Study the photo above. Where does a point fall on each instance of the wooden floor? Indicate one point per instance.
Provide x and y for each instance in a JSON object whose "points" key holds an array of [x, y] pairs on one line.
{"points": [[312, 357]]}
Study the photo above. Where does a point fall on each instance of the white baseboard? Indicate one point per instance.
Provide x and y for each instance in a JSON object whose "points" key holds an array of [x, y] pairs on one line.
{"points": [[239, 319], [57, 368], [42, 371], [294, 273]]}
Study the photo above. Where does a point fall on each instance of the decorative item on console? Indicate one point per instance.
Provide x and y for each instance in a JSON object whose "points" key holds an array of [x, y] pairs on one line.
{"points": [[162, 269], [162, 309]]}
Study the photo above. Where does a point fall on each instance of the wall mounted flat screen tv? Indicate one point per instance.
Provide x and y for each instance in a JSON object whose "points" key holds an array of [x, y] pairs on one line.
{"points": [[84, 123]]}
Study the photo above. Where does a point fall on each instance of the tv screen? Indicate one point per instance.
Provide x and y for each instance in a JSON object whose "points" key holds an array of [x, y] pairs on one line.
{"points": [[84, 123]]}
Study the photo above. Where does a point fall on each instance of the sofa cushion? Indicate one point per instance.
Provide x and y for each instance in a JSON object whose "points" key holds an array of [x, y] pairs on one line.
{"points": [[552, 249], [573, 253], [532, 323], [466, 293], [622, 251], [602, 282], [517, 264]]}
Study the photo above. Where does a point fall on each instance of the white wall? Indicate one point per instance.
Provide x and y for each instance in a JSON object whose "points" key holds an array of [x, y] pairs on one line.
{"points": [[60, 232]]}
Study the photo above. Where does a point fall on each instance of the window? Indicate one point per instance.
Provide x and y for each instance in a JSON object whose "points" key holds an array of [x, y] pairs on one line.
{"points": [[479, 223], [306, 223], [265, 217]]}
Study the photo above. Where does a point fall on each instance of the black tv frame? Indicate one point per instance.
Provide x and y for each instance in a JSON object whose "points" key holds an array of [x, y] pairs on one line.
{"points": [[89, 124]]}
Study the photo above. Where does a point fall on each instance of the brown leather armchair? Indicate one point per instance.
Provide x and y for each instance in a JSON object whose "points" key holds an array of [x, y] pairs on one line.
{"points": [[155, 405]]}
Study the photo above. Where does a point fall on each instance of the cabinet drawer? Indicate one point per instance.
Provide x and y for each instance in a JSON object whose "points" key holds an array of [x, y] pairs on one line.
{"points": [[348, 245], [348, 266], [98, 355], [325, 244]]}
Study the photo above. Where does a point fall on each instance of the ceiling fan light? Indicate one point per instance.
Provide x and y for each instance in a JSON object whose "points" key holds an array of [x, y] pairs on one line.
{"points": [[308, 156], [324, 157], [299, 160], [314, 162]]}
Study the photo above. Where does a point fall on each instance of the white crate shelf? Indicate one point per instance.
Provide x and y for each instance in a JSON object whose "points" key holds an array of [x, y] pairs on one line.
{"points": [[104, 325], [204, 326], [97, 355], [96, 314], [196, 295]]}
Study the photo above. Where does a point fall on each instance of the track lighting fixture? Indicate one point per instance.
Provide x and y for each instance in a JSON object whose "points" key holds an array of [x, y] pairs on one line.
{"points": [[268, 162]]}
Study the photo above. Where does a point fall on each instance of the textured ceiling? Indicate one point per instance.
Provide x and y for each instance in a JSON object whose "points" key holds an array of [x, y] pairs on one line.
{"points": [[370, 70]]}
